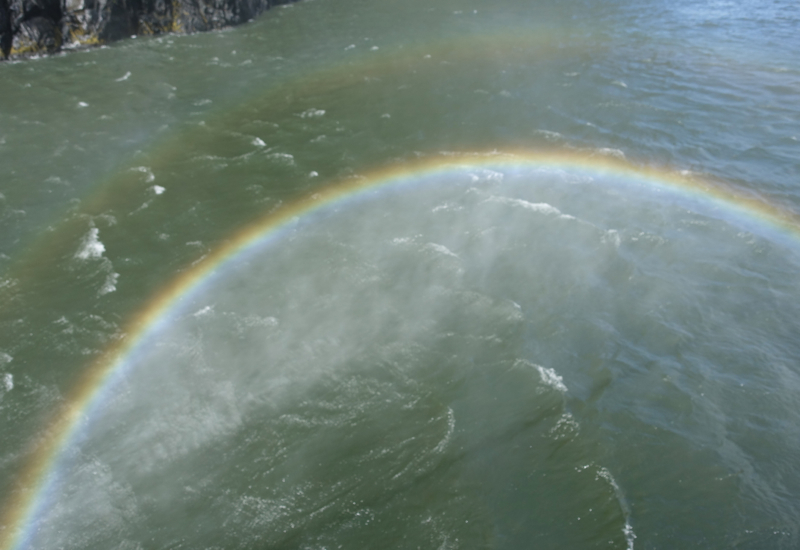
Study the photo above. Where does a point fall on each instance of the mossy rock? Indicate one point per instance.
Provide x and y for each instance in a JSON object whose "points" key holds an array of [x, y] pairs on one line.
{"points": [[38, 35]]}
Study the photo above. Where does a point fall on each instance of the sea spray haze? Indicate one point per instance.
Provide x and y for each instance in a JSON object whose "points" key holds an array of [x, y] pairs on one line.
{"points": [[462, 275]]}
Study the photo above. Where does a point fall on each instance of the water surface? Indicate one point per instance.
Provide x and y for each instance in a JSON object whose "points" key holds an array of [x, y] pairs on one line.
{"points": [[552, 302]]}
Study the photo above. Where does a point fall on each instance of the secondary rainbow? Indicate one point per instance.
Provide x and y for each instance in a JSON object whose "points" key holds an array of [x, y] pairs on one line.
{"points": [[38, 478]]}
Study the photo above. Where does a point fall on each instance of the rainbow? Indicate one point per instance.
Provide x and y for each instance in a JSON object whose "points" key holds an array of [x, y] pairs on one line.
{"points": [[39, 476]]}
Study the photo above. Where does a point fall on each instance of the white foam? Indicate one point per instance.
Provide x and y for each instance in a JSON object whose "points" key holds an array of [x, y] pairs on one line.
{"points": [[110, 284], [487, 175], [402, 240], [8, 381], [312, 113], [82, 104], [149, 176], [286, 158], [627, 530], [440, 249], [446, 207], [5, 358], [550, 136], [609, 152], [552, 379], [258, 142], [204, 311], [158, 190], [142, 207], [566, 425], [540, 207], [248, 321], [451, 428], [630, 536], [350, 47], [126, 76], [91, 247]]}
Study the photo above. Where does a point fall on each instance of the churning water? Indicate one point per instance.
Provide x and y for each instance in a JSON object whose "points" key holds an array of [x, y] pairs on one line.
{"points": [[454, 274]]}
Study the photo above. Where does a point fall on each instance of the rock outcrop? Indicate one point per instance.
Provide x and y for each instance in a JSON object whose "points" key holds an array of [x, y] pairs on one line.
{"points": [[30, 27]]}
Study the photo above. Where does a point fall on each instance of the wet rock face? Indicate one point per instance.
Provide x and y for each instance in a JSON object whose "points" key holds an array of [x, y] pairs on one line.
{"points": [[6, 36], [38, 34], [29, 27]]}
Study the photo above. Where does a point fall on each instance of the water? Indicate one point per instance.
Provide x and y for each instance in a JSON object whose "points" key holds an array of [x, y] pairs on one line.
{"points": [[409, 275]]}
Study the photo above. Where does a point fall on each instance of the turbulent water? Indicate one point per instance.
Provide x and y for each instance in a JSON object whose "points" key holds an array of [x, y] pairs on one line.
{"points": [[554, 302]]}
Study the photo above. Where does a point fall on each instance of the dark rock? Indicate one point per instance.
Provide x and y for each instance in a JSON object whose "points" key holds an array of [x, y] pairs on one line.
{"points": [[6, 35], [36, 35], [99, 21], [157, 17], [30, 27], [204, 15]]}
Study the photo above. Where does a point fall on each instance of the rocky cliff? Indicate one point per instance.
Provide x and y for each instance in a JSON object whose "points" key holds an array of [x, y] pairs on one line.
{"points": [[30, 27]]}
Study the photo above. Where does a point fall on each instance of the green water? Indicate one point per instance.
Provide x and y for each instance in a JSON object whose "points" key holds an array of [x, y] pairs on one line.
{"points": [[581, 333]]}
